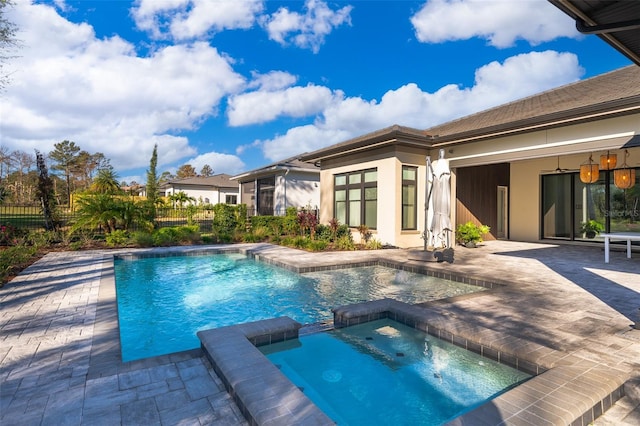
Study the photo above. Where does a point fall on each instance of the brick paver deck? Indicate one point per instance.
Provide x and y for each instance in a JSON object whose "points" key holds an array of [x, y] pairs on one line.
{"points": [[59, 354]]}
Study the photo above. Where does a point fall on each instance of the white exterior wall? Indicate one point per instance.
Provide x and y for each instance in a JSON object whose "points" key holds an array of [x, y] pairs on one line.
{"points": [[389, 214], [296, 189], [202, 193]]}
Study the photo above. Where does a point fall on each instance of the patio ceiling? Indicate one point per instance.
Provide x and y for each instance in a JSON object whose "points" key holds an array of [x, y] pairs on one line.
{"points": [[615, 21]]}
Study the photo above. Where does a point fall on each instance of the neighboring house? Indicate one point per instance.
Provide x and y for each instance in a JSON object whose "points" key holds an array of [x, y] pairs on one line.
{"points": [[205, 190], [514, 167], [269, 190]]}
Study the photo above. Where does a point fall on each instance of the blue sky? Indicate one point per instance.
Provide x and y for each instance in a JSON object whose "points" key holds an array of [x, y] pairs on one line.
{"points": [[240, 84]]}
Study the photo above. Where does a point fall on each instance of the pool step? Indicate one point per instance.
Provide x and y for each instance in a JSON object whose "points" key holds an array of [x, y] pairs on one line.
{"points": [[625, 412]]}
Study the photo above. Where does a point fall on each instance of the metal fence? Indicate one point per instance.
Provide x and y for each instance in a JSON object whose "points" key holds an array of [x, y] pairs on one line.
{"points": [[31, 217]]}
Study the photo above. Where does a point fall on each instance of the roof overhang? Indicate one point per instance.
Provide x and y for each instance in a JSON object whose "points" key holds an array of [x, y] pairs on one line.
{"points": [[617, 22], [394, 135], [271, 171], [621, 107]]}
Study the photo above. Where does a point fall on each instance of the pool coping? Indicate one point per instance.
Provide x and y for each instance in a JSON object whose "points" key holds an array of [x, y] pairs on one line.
{"points": [[557, 395]]}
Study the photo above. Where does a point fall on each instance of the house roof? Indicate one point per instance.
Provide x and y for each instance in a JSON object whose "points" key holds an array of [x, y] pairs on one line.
{"points": [[614, 93], [292, 164], [615, 21], [390, 135], [607, 95], [221, 180]]}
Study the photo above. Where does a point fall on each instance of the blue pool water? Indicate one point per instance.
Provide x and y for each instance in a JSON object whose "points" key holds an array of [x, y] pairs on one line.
{"points": [[385, 373], [163, 302]]}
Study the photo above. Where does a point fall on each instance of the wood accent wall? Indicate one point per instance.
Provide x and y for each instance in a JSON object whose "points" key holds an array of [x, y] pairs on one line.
{"points": [[477, 194]]}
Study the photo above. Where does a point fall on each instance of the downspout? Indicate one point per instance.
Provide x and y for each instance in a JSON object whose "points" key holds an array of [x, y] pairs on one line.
{"points": [[285, 188], [427, 198]]}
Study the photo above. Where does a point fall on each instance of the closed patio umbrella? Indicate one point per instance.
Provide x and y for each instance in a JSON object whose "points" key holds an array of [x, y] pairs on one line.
{"points": [[441, 204]]}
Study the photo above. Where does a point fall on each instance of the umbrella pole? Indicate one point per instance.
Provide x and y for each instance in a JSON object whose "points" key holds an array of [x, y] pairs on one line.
{"points": [[427, 198]]}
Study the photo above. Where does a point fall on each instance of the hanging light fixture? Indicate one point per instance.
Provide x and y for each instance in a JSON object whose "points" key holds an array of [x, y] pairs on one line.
{"points": [[624, 177], [608, 161], [589, 171]]}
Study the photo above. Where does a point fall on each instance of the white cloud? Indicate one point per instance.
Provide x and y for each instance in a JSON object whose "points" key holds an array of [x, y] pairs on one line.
{"points": [[501, 22], [308, 30], [97, 92], [265, 105], [495, 83], [220, 163], [189, 19], [273, 80]]}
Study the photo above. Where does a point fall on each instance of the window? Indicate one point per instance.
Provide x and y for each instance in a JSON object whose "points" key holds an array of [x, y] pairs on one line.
{"points": [[356, 198], [409, 197], [266, 188], [567, 203], [231, 199]]}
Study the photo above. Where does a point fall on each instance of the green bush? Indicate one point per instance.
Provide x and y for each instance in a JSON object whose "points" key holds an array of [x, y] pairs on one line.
{"points": [[317, 245], [343, 231], [165, 237], [275, 223], [470, 233], [14, 259], [118, 238], [324, 233], [373, 244], [142, 239], [345, 242], [189, 234]]}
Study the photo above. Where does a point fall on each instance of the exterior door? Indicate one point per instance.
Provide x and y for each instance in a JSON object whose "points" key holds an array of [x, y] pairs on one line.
{"points": [[502, 230]]}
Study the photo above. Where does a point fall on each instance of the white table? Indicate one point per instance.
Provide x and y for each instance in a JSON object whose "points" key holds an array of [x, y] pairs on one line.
{"points": [[624, 236]]}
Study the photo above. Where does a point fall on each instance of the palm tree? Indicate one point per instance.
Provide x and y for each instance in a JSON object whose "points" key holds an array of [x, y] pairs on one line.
{"points": [[109, 213], [106, 182], [96, 211], [180, 198]]}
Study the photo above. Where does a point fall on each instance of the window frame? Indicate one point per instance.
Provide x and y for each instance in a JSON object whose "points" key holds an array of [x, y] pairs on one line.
{"points": [[361, 186], [405, 183]]}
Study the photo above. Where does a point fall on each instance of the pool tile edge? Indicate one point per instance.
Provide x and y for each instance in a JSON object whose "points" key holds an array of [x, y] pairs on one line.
{"points": [[262, 392]]}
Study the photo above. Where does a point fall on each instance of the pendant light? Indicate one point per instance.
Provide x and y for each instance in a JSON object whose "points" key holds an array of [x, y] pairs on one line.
{"points": [[624, 177], [589, 171], [608, 161]]}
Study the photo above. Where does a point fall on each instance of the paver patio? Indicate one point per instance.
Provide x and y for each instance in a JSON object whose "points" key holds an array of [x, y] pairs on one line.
{"points": [[60, 349]]}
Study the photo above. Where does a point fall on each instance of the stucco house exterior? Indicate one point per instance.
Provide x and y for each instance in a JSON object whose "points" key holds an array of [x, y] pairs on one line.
{"points": [[515, 167], [271, 189], [206, 190]]}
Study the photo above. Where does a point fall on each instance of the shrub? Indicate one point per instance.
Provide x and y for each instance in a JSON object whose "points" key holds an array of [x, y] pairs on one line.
{"points": [[471, 233], [118, 237], [373, 244], [15, 258], [324, 233], [317, 245], [226, 218], [10, 235], [165, 237], [345, 242], [142, 239], [189, 234], [342, 231]]}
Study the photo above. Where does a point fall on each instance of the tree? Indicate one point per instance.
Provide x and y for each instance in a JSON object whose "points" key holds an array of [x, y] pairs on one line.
{"points": [[46, 193], [65, 155], [106, 182], [206, 171], [186, 171], [166, 177], [152, 183], [180, 198], [86, 166], [7, 41]]}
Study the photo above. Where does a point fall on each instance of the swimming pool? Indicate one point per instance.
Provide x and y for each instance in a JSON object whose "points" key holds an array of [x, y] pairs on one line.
{"points": [[383, 372], [164, 301]]}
